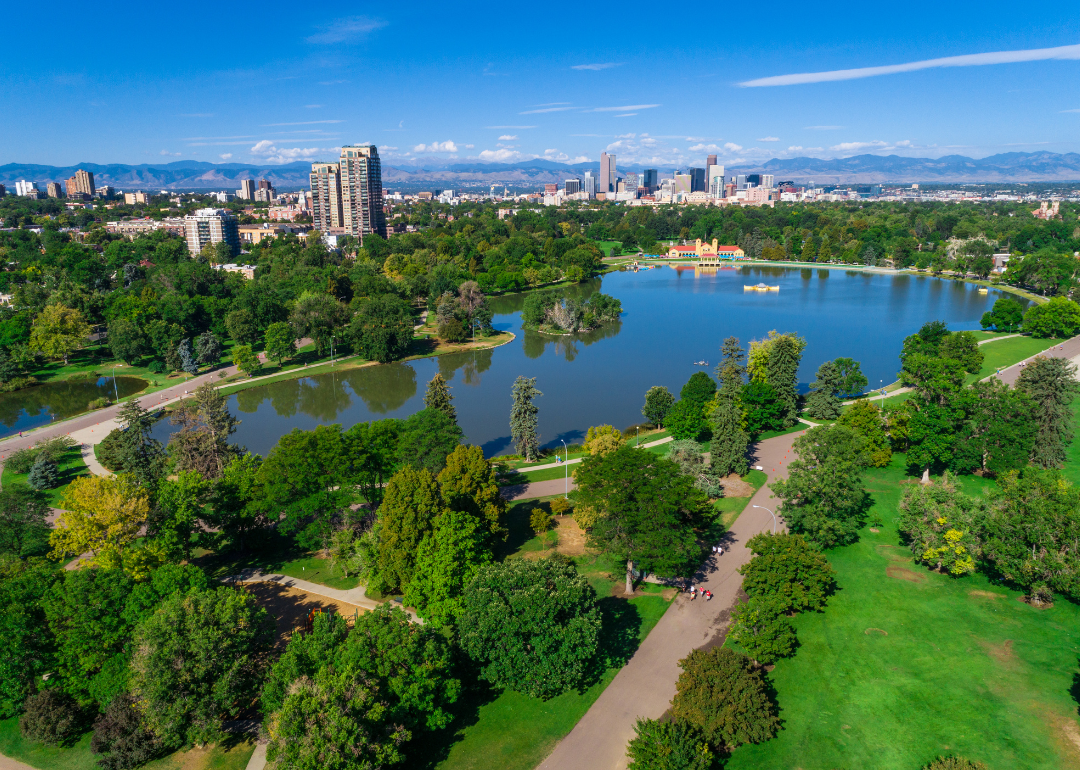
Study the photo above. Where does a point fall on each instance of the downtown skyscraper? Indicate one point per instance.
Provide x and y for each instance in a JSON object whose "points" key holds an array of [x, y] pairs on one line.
{"points": [[346, 197]]}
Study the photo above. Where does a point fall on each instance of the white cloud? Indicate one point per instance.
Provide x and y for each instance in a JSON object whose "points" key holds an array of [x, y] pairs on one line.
{"points": [[225, 155], [331, 82], [874, 146], [166, 152], [269, 152], [469, 146], [447, 146], [343, 30], [822, 128], [388, 147], [968, 60], [507, 138], [1070, 110], [718, 149], [303, 123], [562, 157], [604, 66], [504, 156], [545, 109], [627, 115], [624, 108], [769, 139]]}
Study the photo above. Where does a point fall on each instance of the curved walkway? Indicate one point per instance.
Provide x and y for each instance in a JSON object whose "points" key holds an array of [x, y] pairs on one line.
{"points": [[645, 686]]}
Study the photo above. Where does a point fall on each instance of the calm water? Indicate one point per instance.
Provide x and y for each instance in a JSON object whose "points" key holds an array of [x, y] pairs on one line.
{"points": [[41, 404], [671, 319]]}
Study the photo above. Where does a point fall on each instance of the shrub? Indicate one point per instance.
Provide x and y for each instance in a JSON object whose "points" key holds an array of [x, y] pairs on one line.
{"points": [[21, 460], [55, 448], [539, 520], [601, 439], [51, 717], [667, 746], [452, 331], [954, 763], [559, 506], [156, 367], [122, 737], [98, 403], [723, 694], [44, 474]]}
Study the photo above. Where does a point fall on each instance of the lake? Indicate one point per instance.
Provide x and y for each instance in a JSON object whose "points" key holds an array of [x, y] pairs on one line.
{"points": [[41, 404], [672, 318]]}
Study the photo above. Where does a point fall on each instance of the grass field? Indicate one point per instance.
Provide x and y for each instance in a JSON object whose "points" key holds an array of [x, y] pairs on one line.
{"points": [[906, 664], [607, 246], [71, 465], [232, 755], [282, 558], [1005, 353]]}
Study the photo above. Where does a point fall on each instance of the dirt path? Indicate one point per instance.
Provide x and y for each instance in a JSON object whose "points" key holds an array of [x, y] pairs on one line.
{"points": [[644, 687]]}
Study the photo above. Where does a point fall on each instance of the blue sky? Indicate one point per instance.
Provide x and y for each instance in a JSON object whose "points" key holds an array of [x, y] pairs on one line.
{"points": [[655, 83]]}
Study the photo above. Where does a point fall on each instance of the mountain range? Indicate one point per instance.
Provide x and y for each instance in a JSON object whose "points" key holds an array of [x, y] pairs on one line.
{"points": [[199, 175]]}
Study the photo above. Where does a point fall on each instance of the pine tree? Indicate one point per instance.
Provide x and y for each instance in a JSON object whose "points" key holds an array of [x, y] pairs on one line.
{"points": [[729, 438], [823, 403], [783, 372], [187, 357], [138, 453], [523, 419], [44, 474], [438, 397], [208, 348], [1051, 384]]}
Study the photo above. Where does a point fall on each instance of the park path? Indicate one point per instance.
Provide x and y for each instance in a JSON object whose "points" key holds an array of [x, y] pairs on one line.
{"points": [[1069, 349], [645, 685], [7, 763]]}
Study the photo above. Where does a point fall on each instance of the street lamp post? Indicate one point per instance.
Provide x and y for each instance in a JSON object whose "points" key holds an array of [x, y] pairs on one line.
{"points": [[566, 462], [331, 351], [116, 391], [762, 507]]}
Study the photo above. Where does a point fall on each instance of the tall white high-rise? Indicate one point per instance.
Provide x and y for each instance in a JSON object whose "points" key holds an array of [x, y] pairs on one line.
{"points": [[211, 226], [590, 184], [348, 195]]}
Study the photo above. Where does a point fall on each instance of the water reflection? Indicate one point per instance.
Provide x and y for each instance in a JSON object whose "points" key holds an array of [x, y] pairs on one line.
{"points": [[40, 404], [567, 345], [471, 364]]}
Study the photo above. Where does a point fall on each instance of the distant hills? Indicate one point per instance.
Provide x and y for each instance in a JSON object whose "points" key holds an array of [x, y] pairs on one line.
{"points": [[193, 175]]}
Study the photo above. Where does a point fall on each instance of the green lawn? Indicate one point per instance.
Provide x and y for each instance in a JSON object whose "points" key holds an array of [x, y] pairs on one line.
{"points": [[607, 246], [905, 664], [1005, 353], [280, 557], [231, 755], [71, 465]]}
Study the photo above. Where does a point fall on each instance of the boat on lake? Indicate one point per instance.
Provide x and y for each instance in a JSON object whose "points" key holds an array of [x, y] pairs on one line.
{"points": [[760, 287]]}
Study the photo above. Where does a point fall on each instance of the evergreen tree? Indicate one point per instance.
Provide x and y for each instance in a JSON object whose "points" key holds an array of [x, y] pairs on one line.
{"points": [[44, 474], [136, 452], [438, 397], [823, 403], [782, 372], [202, 443], [208, 349], [523, 419], [729, 438], [187, 357], [1051, 385]]}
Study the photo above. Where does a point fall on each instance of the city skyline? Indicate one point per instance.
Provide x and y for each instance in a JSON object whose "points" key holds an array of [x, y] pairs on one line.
{"points": [[804, 87]]}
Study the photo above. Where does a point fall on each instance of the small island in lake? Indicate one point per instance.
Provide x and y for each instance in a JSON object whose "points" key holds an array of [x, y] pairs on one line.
{"points": [[555, 313]]}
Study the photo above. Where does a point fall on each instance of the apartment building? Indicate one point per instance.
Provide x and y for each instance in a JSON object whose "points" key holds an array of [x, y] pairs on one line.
{"points": [[247, 190], [54, 190], [80, 184], [348, 195], [211, 226], [138, 196]]}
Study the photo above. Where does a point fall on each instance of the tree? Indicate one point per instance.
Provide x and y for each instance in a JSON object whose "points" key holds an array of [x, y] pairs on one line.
{"points": [[762, 409], [729, 437], [787, 571], [427, 439], [102, 515], [722, 694], [1033, 523], [523, 419], [50, 717], [186, 354], [963, 347], [23, 528], [126, 340], [998, 431], [136, 452], [44, 474], [240, 324], [333, 721], [382, 328], [279, 341], [202, 442], [438, 397], [935, 380], [28, 645], [304, 655], [234, 505], [691, 461], [699, 389], [660, 745], [868, 421], [198, 661], [59, 331], [823, 403], [178, 505], [647, 509], [1060, 317], [468, 484], [453, 331], [121, 736], [531, 626], [823, 495], [208, 349], [1051, 385], [446, 561], [1007, 315], [412, 664], [658, 402], [760, 627], [782, 372], [318, 316], [943, 526], [246, 360], [539, 521], [853, 381], [409, 508], [686, 420], [601, 439]]}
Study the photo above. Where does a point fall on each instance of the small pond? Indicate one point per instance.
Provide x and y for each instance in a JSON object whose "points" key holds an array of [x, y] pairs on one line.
{"points": [[41, 404]]}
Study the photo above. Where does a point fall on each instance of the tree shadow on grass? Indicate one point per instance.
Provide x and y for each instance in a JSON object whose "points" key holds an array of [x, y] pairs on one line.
{"points": [[427, 749], [620, 627]]}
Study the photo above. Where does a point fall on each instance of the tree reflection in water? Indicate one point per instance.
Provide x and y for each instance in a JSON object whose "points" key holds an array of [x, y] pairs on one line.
{"points": [[566, 345], [383, 388], [471, 364]]}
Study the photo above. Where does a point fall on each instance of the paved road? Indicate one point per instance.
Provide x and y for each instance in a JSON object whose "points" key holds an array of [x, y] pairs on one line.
{"points": [[1068, 349], [645, 686]]}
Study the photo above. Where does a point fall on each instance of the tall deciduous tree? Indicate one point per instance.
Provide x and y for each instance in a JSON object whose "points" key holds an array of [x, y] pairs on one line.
{"points": [[523, 417], [699, 389], [409, 508], [469, 485], [998, 431], [382, 328], [102, 515], [1060, 317], [318, 316], [868, 420], [648, 510], [1051, 385], [59, 331], [280, 341], [853, 381], [202, 443], [658, 402], [438, 397], [448, 558], [1006, 316], [789, 571], [234, 510], [823, 495]]}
